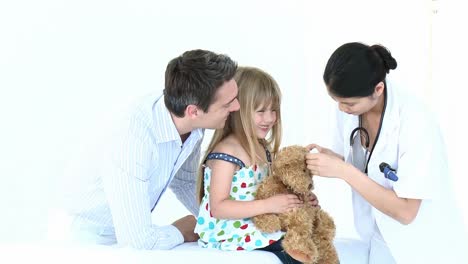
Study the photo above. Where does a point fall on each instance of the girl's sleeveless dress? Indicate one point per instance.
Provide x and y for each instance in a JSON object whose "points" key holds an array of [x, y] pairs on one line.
{"points": [[233, 234]]}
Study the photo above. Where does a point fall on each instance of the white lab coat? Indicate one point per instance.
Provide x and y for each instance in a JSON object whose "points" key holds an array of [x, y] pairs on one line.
{"points": [[410, 141]]}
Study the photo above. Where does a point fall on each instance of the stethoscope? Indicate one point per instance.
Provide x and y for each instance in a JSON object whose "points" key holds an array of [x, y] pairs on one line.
{"points": [[355, 133], [360, 130]]}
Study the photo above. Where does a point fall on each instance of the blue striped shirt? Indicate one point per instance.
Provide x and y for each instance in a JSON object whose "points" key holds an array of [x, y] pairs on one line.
{"points": [[144, 155]]}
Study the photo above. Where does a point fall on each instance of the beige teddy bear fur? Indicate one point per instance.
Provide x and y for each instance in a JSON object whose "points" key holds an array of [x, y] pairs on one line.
{"points": [[309, 230]]}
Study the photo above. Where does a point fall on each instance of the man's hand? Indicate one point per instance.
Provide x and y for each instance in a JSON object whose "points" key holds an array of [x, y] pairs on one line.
{"points": [[186, 226]]}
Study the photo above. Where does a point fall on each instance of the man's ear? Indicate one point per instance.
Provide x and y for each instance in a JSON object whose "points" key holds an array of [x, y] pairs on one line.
{"points": [[379, 89], [192, 111]]}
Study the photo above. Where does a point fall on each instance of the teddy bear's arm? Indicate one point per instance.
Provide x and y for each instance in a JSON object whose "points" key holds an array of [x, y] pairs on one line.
{"points": [[269, 222]]}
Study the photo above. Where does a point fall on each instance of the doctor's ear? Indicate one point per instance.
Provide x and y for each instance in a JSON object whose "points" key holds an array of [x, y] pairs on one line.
{"points": [[379, 89]]}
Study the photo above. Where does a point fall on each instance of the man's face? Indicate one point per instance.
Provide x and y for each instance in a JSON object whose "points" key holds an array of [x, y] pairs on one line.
{"points": [[225, 102]]}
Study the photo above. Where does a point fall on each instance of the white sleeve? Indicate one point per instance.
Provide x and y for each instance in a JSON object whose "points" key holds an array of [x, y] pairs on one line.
{"points": [[185, 181], [126, 187], [422, 160]]}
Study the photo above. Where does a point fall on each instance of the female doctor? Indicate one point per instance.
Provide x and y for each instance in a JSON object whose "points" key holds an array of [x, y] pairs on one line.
{"points": [[402, 216]]}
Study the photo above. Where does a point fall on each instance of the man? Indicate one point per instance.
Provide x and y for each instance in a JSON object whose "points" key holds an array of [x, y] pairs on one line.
{"points": [[156, 145]]}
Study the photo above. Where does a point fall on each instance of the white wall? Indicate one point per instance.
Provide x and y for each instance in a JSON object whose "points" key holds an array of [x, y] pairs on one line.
{"points": [[450, 90], [63, 64]]}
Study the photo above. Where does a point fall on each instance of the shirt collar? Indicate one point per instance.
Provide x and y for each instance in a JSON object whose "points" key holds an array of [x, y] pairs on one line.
{"points": [[164, 127], [392, 113]]}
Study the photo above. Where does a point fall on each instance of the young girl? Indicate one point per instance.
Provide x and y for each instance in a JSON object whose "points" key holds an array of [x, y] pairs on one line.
{"points": [[237, 160]]}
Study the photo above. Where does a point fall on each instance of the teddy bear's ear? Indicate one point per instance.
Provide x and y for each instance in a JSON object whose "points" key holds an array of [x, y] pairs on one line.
{"points": [[289, 153], [290, 157], [290, 168]]}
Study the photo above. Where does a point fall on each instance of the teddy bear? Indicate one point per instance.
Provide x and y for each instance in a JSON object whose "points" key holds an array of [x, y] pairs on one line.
{"points": [[309, 230]]}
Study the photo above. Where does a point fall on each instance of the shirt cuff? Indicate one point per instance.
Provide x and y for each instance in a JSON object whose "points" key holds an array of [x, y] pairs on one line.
{"points": [[174, 233]]}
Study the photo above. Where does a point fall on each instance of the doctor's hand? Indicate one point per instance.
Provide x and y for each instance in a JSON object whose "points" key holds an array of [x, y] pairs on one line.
{"points": [[323, 150], [186, 226], [326, 165]]}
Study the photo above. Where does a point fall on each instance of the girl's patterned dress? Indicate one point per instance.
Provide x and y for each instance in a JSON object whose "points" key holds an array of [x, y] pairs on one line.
{"points": [[233, 234]]}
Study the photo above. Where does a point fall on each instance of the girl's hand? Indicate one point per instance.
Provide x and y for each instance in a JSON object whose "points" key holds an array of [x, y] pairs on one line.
{"points": [[326, 165], [282, 203], [313, 200]]}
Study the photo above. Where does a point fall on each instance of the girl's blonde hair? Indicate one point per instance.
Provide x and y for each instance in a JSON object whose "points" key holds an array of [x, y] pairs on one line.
{"points": [[256, 89]]}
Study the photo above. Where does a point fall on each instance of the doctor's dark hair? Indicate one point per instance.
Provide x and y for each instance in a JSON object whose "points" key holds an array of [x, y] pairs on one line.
{"points": [[193, 79], [354, 69]]}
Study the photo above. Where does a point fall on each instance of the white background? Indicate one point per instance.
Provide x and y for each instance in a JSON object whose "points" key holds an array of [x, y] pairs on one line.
{"points": [[65, 64]]}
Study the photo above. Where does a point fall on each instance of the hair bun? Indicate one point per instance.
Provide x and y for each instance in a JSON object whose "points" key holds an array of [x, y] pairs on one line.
{"points": [[388, 61]]}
